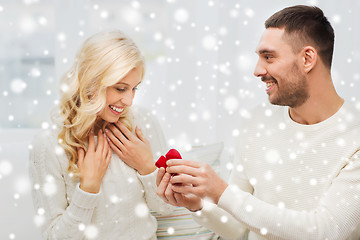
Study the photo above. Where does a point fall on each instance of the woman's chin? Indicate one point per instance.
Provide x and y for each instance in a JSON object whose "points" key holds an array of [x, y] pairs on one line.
{"points": [[113, 120], [110, 119]]}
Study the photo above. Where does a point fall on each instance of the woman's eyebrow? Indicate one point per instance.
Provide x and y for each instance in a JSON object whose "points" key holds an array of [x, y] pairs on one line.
{"points": [[121, 83]]}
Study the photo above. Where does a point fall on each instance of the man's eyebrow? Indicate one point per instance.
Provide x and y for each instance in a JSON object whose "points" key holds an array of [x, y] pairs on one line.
{"points": [[264, 51]]}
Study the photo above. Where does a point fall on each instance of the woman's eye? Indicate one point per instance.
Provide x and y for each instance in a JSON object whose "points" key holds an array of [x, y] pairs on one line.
{"points": [[135, 89], [121, 89]]}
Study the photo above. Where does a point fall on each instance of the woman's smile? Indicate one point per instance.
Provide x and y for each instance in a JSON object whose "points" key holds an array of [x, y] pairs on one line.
{"points": [[115, 109]]}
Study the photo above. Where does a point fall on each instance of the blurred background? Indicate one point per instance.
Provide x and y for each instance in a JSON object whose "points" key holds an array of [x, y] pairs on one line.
{"points": [[199, 81]]}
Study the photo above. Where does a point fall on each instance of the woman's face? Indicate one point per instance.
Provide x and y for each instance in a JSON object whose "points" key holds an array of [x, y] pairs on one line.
{"points": [[120, 95]]}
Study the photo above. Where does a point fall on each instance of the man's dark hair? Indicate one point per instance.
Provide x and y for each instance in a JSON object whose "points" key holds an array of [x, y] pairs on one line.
{"points": [[306, 25]]}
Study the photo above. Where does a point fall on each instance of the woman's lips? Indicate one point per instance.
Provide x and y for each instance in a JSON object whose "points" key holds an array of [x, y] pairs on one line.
{"points": [[116, 110]]}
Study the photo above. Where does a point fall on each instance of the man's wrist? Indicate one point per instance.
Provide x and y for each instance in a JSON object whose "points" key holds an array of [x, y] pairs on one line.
{"points": [[219, 193], [197, 208]]}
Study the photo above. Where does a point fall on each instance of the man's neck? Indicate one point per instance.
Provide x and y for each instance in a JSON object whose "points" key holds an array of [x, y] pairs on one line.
{"points": [[323, 101], [316, 110]]}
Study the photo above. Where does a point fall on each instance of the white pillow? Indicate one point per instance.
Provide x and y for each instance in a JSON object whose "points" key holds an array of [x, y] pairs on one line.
{"points": [[209, 154], [179, 224]]}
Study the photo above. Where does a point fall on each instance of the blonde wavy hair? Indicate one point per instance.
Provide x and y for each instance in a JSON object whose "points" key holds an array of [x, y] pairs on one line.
{"points": [[103, 60]]}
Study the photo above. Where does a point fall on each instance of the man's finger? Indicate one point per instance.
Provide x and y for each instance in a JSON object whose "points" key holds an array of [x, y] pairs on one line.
{"points": [[184, 179], [182, 169], [185, 190], [160, 175], [169, 194], [177, 162], [160, 191]]}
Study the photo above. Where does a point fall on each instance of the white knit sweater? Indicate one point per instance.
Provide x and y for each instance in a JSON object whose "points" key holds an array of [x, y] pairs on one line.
{"points": [[119, 211], [293, 181]]}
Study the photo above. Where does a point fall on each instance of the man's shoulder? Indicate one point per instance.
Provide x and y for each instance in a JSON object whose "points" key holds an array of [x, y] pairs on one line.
{"points": [[349, 113], [263, 117], [351, 107]]}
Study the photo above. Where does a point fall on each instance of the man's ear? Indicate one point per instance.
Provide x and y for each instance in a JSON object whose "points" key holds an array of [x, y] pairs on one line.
{"points": [[309, 57]]}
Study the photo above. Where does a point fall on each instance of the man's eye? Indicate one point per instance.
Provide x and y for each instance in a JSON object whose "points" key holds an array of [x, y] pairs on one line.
{"points": [[268, 57]]}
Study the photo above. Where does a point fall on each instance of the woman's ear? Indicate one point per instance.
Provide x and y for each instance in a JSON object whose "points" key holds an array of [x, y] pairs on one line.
{"points": [[310, 58]]}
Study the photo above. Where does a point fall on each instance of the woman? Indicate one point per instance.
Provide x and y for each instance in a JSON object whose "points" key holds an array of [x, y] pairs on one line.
{"points": [[93, 177]]}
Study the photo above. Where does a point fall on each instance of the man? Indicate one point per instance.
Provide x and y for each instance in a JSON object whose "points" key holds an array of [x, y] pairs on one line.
{"points": [[298, 172]]}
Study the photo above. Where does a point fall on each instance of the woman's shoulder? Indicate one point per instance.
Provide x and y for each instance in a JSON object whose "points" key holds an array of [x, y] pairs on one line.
{"points": [[46, 150], [46, 137], [141, 116], [45, 142], [138, 112], [149, 124]]}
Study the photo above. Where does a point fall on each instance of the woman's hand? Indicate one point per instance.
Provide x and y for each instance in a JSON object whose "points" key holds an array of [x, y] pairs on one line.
{"points": [[165, 192], [93, 163], [134, 150]]}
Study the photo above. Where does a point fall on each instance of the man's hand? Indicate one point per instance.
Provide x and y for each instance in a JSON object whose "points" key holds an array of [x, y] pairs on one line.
{"points": [[199, 179], [165, 192]]}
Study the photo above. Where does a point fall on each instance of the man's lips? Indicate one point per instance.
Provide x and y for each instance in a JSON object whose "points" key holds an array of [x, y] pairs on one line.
{"points": [[270, 83]]}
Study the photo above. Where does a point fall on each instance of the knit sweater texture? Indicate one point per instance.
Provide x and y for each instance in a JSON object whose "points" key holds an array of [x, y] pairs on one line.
{"points": [[292, 181], [119, 211]]}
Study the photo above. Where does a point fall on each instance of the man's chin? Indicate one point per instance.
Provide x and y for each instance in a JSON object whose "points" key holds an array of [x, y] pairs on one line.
{"points": [[277, 102]]}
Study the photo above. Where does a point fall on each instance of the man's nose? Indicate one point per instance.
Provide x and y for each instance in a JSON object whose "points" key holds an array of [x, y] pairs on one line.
{"points": [[259, 70]]}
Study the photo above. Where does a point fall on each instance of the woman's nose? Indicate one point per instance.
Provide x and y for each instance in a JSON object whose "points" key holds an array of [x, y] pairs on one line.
{"points": [[128, 98]]}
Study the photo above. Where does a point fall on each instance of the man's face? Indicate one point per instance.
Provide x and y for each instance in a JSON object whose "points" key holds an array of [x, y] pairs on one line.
{"points": [[279, 67]]}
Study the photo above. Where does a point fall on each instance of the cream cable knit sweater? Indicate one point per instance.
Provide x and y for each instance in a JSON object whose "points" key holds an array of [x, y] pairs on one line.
{"points": [[119, 211], [292, 181]]}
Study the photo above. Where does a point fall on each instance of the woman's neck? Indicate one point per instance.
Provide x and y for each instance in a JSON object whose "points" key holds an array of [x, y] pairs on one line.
{"points": [[99, 123]]}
